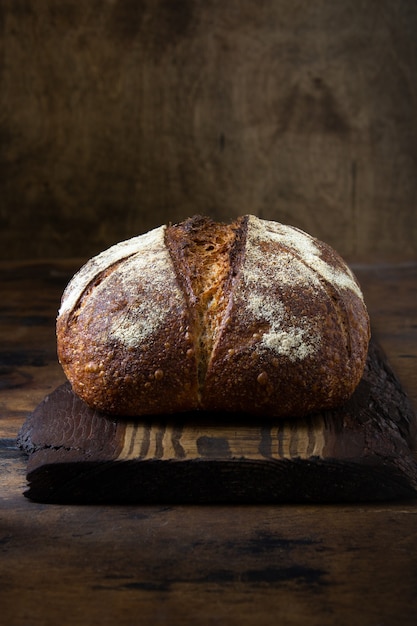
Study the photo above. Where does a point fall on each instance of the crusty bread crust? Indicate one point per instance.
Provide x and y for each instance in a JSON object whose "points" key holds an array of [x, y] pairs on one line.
{"points": [[253, 317], [123, 338]]}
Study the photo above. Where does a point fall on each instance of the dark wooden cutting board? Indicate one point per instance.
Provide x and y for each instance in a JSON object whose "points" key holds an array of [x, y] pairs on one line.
{"points": [[360, 452]]}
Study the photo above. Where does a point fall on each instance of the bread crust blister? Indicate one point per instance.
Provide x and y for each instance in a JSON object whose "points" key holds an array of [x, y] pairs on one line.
{"points": [[254, 317]]}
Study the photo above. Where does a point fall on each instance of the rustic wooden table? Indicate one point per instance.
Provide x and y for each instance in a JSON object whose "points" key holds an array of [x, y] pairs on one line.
{"points": [[340, 564]]}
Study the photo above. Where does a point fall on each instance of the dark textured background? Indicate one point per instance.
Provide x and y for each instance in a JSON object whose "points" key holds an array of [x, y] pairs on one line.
{"points": [[119, 115]]}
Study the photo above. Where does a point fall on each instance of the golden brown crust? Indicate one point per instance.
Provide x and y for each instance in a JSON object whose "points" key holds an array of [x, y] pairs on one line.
{"points": [[124, 342], [296, 336], [254, 317]]}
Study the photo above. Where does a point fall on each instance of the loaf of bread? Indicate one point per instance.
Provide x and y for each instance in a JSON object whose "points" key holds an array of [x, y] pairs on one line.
{"points": [[252, 317]]}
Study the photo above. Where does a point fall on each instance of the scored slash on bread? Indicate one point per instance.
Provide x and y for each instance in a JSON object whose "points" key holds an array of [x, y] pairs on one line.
{"points": [[206, 257], [254, 317]]}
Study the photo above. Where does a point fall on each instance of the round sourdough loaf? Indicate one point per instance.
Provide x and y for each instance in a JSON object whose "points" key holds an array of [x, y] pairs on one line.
{"points": [[254, 317]]}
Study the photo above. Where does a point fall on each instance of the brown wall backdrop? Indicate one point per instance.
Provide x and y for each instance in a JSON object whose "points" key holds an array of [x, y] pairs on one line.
{"points": [[119, 115]]}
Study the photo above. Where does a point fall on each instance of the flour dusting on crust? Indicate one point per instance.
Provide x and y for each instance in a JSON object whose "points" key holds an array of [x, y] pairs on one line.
{"points": [[297, 265], [148, 302], [286, 335], [306, 248], [157, 297], [99, 263]]}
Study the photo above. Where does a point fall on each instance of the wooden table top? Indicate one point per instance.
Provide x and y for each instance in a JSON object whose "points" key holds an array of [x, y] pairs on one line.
{"points": [[292, 564]]}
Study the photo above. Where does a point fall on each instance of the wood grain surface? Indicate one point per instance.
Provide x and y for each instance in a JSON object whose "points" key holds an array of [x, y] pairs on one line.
{"points": [[100, 565], [119, 116], [359, 452]]}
